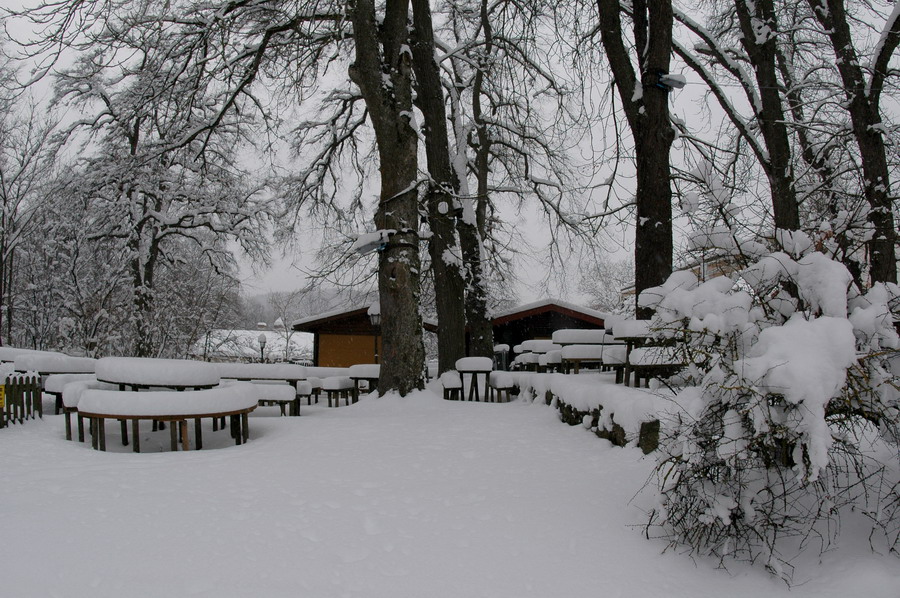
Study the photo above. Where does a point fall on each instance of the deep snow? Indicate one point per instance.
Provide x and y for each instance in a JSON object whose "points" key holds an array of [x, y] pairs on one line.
{"points": [[390, 498]]}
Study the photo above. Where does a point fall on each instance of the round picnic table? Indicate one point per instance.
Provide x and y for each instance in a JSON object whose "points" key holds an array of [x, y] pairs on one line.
{"points": [[142, 373]]}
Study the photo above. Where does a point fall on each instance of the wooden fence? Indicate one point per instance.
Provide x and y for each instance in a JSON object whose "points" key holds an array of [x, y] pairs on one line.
{"points": [[21, 399]]}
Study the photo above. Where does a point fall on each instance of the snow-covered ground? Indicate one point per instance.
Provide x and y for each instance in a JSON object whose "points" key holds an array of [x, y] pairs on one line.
{"points": [[391, 497]]}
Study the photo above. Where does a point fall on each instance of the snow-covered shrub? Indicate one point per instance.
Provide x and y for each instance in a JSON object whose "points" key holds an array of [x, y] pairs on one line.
{"points": [[790, 413]]}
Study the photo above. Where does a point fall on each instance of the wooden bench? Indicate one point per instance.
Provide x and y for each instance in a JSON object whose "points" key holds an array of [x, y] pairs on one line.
{"points": [[284, 396], [364, 372], [652, 362], [235, 401], [452, 384], [337, 388], [501, 385]]}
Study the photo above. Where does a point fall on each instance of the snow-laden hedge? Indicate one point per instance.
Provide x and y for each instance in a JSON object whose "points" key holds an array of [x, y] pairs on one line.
{"points": [[791, 408]]}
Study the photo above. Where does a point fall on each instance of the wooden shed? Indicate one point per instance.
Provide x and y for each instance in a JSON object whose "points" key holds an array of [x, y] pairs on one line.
{"points": [[540, 319], [342, 338]]}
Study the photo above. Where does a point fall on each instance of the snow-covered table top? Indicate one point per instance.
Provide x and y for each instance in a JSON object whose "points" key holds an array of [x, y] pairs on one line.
{"points": [[475, 364], [365, 371], [579, 336], [169, 373], [54, 363], [629, 329], [262, 371]]}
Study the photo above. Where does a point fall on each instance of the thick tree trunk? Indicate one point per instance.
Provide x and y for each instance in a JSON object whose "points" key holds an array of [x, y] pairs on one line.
{"points": [[381, 54], [863, 100], [442, 202], [762, 51], [647, 110]]}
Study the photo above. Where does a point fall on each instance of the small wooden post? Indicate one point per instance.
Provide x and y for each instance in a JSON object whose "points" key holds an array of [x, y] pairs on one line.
{"points": [[136, 434], [185, 440], [245, 426], [198, 434]]}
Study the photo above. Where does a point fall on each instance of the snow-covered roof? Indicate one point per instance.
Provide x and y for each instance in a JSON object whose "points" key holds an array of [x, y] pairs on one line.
{"points": [[546, 304], [332, 314]]}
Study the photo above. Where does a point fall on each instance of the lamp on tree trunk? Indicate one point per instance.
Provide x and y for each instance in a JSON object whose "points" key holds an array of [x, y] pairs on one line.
{"points": [[375, 319]]}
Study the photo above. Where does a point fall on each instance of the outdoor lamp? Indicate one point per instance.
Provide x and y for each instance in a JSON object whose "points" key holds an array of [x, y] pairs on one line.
{"points": [[262, 346], [375, 319]]}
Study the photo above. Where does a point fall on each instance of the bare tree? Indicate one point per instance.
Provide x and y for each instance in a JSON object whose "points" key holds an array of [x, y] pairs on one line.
{"points": [[645, 103], [862, 89]]}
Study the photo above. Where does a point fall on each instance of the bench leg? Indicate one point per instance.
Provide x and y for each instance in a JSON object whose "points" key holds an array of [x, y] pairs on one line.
{"points": [[245, 427], [101, 425], [185, 440], [198, 434], [173, 437], [236, 429], [95, 436], [68, 425], [59, 405], [80, 428], [124, 432], [136, 435]]}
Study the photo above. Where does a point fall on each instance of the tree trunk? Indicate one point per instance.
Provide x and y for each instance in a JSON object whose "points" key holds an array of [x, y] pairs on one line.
{"points": [[442, 202], [472, 226], [863, 99], [381, 55], [770, 114], [647, 110]]}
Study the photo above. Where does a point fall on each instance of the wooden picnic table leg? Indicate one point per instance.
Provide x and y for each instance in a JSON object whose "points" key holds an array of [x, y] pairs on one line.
{"points": [[235, 429], [101, 425], [124, 432], [136, 434], [80, 428], [198, 433], [68, 425], [173, 436], [95, 439], [185, 440], [245, 426]]}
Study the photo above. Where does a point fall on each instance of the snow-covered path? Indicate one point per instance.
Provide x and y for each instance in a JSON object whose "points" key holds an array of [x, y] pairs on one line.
{"points": [[390, 498]]}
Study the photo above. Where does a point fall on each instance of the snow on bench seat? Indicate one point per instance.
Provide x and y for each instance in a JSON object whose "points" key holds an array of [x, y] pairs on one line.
{"points": [[631, 329], [55, 383], [451, 383], [579, 336], [337, 388], [651, 362], [474, 364], [235, 399], [137, 371], [540, 345], [224, 399], [271, 392]]}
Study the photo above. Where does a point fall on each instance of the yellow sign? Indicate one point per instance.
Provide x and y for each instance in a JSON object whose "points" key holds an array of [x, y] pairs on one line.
{"points": [[2, 397]]}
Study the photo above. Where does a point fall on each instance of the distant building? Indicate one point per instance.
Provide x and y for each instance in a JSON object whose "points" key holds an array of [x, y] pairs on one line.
{"points": [[347, 337], [342, 338]]}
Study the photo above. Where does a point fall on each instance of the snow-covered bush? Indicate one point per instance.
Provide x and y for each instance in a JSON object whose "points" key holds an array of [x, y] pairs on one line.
{"points": [[790, 411]]}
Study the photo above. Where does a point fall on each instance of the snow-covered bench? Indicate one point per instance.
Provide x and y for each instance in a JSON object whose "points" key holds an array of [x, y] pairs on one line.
{"points": [[364, 372], [284, 396], [235, 400], [337, 388], [501, 384], [652, 362], [452, 385], [55, 383]]}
